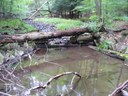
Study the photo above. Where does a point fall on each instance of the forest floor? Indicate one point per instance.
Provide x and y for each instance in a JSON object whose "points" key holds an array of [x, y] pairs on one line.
{"points": [[120, 39]]}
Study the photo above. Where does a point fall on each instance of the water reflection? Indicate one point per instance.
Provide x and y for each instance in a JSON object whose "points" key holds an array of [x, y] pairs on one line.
{"points": [[100, 73]]}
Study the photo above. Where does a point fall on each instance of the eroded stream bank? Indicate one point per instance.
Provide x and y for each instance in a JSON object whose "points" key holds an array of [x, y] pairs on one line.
{"points": [[100, 74]]}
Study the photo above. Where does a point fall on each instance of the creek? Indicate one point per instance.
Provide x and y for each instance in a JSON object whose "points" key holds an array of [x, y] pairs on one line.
{"points": [[101, 74]]}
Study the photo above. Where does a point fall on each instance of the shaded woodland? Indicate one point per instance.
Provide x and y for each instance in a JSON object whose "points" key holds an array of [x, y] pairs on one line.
{"points": [[63, 47]]}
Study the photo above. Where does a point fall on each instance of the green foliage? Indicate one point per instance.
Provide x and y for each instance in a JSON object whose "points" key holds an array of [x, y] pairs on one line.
{"points": [[105, 44], [86, 6], [93, 26], [66, 8], [108, 21], [84, 19], [12, 26], [14, 8], [60, 5], [115, 7], [124, 56], [111, 10], [60, 23], [114, 10], [123, 18], [94, 18]]}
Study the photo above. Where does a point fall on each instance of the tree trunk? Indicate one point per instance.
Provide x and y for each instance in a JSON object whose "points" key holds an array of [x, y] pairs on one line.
{"points": [[11, 8], [40, 35], [98, 4]]}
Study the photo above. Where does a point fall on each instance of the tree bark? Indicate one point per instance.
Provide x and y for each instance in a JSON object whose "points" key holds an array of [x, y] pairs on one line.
{"points": [[35, 36], [40, 35]]}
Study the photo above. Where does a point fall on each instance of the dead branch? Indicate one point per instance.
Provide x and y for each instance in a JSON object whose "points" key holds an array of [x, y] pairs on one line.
{"points": [[38, 9], [118, 90], [8, 63], [54, 78]]}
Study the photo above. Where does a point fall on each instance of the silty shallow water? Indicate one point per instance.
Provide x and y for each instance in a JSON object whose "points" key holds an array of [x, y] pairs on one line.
{"points": [[100, 73]]}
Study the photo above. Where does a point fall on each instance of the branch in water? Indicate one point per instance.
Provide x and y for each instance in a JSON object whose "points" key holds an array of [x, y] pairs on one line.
{"points": [[119, 89], [54, 78]]}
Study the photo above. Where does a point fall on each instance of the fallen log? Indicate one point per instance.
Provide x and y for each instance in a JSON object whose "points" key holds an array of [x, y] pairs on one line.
{"points": [[33, 36], [40, 35], [112, 53]]}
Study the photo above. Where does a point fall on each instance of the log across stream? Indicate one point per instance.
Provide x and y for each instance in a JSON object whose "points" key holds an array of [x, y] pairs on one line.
{"points": [[40, 35]]}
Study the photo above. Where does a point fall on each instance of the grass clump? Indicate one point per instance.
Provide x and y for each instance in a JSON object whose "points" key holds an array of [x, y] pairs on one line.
{"points": [[93, 26], [61, 24], [12, 26], [121, 18]]}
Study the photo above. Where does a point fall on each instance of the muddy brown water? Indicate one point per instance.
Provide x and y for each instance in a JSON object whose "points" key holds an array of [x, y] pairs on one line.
{"points": [[100, 73]]}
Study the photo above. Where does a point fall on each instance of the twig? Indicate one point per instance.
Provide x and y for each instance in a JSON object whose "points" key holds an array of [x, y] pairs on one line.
{"points": [[72, 79], [8, 63], [73, 87]]}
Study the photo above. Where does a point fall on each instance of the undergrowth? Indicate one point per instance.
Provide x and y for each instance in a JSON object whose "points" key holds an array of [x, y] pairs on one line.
{"points": [[61, 24], [12, 26], [93, 26]]}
